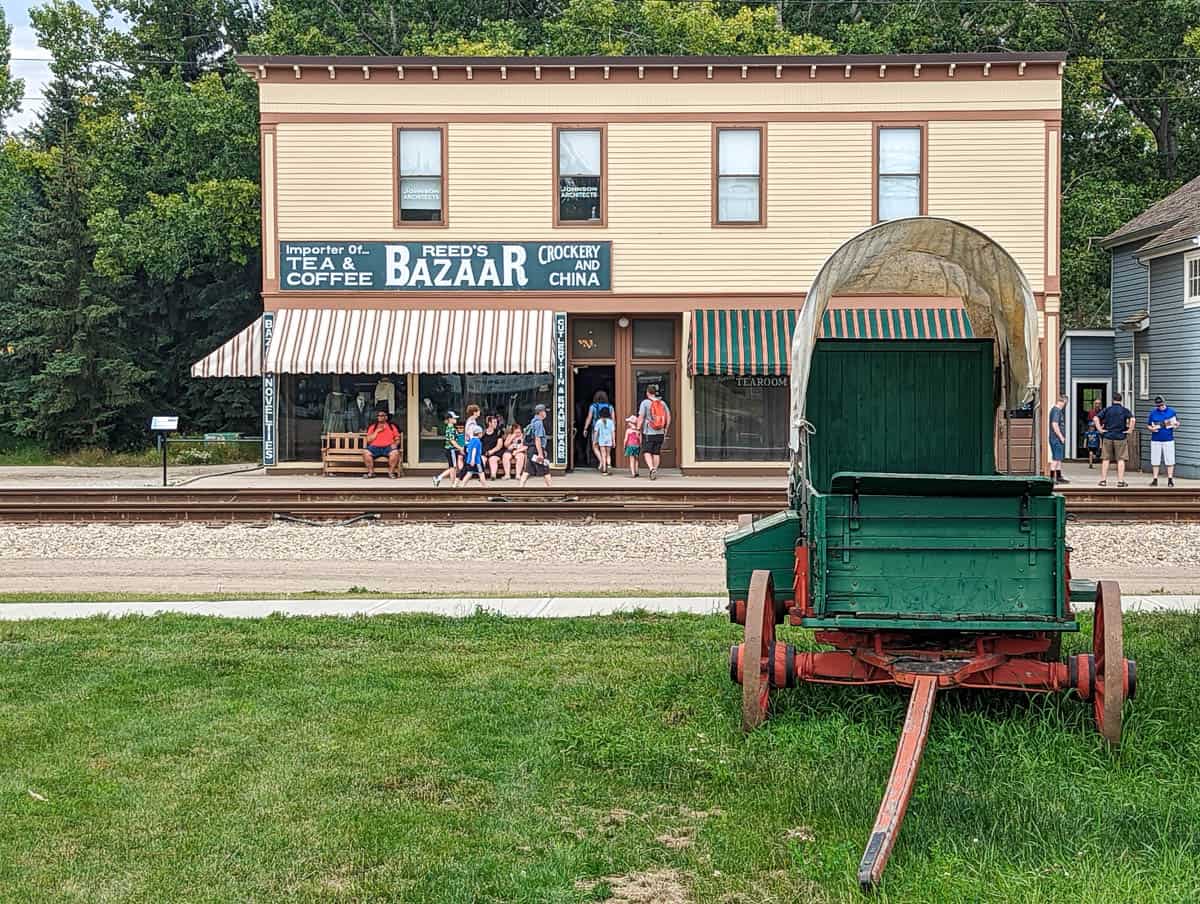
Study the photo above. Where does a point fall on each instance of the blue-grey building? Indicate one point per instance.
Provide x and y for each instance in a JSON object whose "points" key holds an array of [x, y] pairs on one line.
{"points": [[1086, 373], [1155, 298]]}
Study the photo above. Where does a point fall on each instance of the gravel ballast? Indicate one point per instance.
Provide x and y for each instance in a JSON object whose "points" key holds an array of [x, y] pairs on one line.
{"points": [[1108, 546]]}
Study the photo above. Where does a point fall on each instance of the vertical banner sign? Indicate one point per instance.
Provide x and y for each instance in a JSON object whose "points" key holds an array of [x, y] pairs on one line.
{"points": [[560, 388], [268, 395]]}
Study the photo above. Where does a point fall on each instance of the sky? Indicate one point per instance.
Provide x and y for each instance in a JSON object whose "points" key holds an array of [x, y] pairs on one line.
{"points": [[35, 74]]}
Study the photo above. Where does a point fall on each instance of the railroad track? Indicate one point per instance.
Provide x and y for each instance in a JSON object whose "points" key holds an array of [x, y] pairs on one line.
{"points": [[495, 504], [340, 504]]}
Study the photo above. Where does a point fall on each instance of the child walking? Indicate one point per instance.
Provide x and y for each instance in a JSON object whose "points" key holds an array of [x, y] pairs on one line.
{"points": [[472, 458], [606, 431], [633, 444], [1091, 439], [452, 448]]}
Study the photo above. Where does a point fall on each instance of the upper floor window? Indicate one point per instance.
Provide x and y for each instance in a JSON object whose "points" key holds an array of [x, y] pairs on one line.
{"points": [[898, 193], [421, 193], [579, 176], [739, 193], [1191, 279]]}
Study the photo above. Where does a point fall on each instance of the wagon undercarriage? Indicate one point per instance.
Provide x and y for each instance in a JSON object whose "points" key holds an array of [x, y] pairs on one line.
{"points": [[926, 663]]}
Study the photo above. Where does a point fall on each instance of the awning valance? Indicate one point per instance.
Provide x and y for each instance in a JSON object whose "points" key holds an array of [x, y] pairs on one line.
{"points": [[241, 356], [756, 342], [348, 341]]}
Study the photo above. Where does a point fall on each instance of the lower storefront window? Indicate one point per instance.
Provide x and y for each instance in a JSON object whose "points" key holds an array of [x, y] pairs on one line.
{"points": [[742, 418], [510, 396], [311, 405]]}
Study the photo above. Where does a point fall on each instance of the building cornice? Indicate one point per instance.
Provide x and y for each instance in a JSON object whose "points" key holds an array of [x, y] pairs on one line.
{"points": [[591, 69]]}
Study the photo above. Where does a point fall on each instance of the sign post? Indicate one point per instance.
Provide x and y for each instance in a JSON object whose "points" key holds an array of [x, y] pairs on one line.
{"points": [[268, 395], [162, 426], [560, 388]]}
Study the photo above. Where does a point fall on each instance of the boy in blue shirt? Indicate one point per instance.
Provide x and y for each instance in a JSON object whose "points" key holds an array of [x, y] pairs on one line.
{"points": [[472, 458], [1162, 422], [1091, 441]]}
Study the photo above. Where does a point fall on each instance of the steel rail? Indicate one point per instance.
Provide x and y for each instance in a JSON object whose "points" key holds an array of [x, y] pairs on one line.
{"points": [[59, 505]]}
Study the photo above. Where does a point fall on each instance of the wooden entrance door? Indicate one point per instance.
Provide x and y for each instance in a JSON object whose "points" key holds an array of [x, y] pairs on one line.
{"points": [[666, 376]]}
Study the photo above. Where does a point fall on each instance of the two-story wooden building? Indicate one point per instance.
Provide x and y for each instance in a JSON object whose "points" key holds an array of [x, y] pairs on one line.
{"points": [[508, 231]]}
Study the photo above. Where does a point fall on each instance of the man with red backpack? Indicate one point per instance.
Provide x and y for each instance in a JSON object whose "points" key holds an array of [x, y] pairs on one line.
{"points": [[654, 420]]}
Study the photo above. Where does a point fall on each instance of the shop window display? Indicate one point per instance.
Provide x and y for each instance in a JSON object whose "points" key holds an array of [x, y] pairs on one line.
{"points": [[511, 396], [742, 418], [313, 404]]}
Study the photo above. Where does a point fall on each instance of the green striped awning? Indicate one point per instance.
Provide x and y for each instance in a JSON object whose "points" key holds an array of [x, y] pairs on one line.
{"points": [[895, 323], [741, 343], [757, 342]]}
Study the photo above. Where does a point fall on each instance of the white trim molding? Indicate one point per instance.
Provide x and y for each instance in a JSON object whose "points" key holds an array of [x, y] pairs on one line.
{"points": [[1191, 277]]}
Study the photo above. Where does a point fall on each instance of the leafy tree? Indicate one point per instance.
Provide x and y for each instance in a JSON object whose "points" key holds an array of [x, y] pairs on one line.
{"points": [[659, 27], [74, 381]]}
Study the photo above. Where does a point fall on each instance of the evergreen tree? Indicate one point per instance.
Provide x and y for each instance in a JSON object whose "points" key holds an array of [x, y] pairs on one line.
{"points": [[11, 88], [71, 382]]}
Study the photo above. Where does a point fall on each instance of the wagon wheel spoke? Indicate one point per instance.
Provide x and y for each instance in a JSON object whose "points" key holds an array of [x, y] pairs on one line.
{"points": [[760, 637], [1109, 654]]}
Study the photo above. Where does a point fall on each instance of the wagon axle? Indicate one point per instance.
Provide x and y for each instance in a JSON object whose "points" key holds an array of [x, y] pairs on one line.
{"points": [[761, 664]]}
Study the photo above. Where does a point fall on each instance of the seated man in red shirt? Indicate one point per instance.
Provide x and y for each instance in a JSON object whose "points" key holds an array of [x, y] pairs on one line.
{"points": [[383, 441]]}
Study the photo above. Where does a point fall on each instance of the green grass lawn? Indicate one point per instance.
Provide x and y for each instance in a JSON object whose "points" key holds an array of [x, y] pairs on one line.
{"points": [[486, 760], [179, 452]]}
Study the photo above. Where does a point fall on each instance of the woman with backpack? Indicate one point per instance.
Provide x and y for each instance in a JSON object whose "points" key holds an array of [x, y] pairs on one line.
{"points": [[654, 420]]}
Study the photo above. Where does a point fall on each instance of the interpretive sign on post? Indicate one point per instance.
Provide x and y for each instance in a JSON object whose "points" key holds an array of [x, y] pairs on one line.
{"points": [[445, 266]]}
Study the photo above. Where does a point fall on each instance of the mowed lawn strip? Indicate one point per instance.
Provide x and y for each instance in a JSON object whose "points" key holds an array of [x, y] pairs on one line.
{"points": [[420, 759]]}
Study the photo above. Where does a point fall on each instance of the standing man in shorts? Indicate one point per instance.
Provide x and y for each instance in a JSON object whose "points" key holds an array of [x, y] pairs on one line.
{"points": [[1058, 439], [1162, 423], [1114, 424], [654, 422]]}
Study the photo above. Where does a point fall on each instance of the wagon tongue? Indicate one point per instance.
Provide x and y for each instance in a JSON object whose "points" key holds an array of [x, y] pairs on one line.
{"points": [[900, 783]]}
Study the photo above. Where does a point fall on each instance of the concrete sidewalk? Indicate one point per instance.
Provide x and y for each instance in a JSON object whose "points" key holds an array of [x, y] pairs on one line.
{"points": [[522, 607]]}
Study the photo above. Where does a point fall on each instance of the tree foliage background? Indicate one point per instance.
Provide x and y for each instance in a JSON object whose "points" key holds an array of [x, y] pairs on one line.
{"points": [[129, 211]]}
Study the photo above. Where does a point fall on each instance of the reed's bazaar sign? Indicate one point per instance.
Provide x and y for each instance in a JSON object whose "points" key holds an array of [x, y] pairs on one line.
{"points": [[445, 266]]}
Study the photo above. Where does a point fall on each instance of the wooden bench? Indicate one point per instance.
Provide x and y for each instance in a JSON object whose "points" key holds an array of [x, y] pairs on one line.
{"points": [[342, 453]]}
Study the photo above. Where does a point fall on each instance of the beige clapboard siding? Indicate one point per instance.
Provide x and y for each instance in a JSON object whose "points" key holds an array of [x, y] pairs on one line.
{"points": [[660, 207], [334, 180], [500, 181], [350, 93], [991, 175], [335, 183]]}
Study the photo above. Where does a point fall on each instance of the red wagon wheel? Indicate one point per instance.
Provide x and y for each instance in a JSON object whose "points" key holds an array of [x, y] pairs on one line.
{"points": [[760, 637], [1109, 654]]}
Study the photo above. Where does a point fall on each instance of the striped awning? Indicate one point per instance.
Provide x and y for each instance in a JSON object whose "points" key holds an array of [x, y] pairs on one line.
{"points": [[741, 343], [895, 323], [757, 342], [348, 341], [241, 356]]}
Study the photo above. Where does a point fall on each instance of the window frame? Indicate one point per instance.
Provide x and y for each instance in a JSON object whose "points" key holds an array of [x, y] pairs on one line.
{"points": [[1143, 378], [717, 128], [922, 177], [602, 128], [1125, 380], [1190, 300], [397, 128]]}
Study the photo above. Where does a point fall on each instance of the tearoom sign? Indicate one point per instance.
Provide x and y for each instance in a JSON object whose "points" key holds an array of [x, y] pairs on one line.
{"points": [[445, 266]]}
